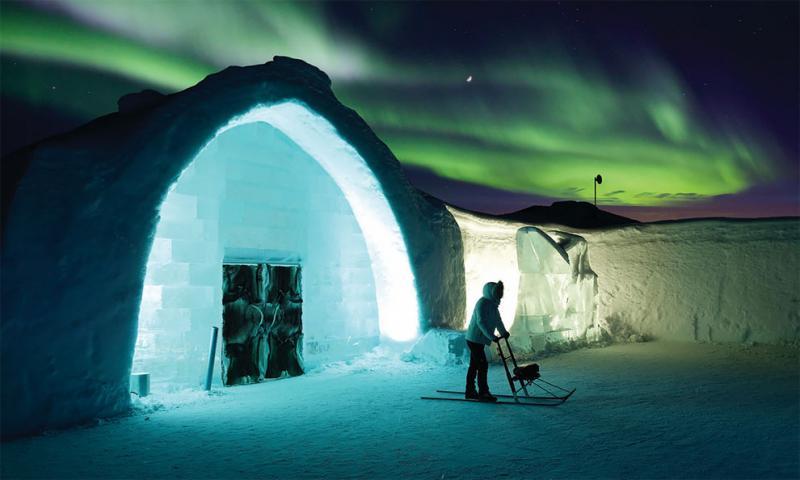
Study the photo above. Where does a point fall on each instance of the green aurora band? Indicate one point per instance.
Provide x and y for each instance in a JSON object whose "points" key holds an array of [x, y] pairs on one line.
{"points": [[535, 122]]}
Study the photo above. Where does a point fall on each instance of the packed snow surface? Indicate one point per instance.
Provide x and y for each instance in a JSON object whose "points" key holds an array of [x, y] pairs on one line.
{"points": [[644, 410]]}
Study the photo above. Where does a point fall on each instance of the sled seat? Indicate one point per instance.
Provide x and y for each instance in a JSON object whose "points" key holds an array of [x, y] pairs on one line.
{"points": [[528, 372]]}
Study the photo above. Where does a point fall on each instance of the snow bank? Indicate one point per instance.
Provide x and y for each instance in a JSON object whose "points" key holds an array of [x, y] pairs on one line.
{"points": [[710, 281], [79, 216], [170, 400], [439, 347]]}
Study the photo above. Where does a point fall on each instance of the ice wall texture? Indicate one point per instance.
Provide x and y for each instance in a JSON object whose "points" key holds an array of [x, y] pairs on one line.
{"points": [[252, 195], [80, 213], [557, 297], [709, 281], [550, 288]]}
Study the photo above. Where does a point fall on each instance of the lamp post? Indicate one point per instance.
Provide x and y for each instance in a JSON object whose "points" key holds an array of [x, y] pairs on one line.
{"points": [[597, 180]]}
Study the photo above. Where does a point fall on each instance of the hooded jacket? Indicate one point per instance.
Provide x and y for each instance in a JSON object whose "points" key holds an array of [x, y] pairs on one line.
{"points": [[486, 317]]}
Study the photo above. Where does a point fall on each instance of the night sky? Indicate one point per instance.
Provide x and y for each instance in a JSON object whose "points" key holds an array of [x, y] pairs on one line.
{"points": [[686, 109]]}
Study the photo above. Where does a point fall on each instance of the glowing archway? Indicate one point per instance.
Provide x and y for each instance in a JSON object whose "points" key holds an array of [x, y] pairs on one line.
{"points": [[105, 187], [275, 185], [398, 308]]}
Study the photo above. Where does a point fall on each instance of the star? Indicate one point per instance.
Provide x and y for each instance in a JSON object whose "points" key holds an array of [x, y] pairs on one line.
{"points": [[469, 79]]}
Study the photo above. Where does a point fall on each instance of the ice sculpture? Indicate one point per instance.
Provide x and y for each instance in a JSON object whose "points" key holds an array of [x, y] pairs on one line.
{"points": [[557, 290]]}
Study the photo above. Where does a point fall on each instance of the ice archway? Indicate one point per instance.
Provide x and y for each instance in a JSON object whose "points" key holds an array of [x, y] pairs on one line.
{"points": [[82, 210], [395, 286], [275, 184]]}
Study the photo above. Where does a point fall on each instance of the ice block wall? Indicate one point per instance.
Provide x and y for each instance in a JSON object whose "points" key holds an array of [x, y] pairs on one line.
{"points": [[181, 296], [252, 195]]}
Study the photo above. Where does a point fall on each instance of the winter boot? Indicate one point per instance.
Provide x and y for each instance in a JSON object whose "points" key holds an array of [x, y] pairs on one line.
{"points": [[486, 397]]}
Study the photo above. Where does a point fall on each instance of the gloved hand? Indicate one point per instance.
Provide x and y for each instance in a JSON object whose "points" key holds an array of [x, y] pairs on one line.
{"points": [[506, 335]]}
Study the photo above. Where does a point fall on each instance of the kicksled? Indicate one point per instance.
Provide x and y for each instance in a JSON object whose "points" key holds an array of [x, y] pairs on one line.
{"points": [[528, 378]]}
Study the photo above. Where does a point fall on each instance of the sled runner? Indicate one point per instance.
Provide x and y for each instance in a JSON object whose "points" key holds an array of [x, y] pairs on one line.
{"points": [[527, 376]]}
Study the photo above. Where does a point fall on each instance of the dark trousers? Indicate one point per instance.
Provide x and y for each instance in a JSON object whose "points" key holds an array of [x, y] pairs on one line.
{"points": [[477, 366]]}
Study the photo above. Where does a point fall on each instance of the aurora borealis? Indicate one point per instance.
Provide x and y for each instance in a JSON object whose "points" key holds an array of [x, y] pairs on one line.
{"points": [[559, 92]]}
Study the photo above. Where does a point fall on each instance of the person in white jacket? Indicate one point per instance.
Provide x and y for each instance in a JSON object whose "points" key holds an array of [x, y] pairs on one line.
{"points": [[485, 320]]}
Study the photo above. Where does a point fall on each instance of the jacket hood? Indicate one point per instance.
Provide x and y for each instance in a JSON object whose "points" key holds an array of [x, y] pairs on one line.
{"points": [[490, 291]]}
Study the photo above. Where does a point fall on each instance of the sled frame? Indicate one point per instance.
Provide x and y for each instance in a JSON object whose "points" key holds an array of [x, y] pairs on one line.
{"points": [[519, 395], [524, 383]]}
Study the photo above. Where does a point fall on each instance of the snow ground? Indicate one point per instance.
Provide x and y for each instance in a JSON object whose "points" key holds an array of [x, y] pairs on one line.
{"points": [[647, 410]]}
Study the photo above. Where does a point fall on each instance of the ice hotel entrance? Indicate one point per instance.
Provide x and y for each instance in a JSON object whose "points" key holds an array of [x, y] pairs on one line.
{"points": [[144, 208], [277, 233]]}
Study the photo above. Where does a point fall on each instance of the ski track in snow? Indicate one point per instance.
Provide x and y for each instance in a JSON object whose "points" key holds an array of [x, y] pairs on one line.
{"points": [[647, 410]]}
